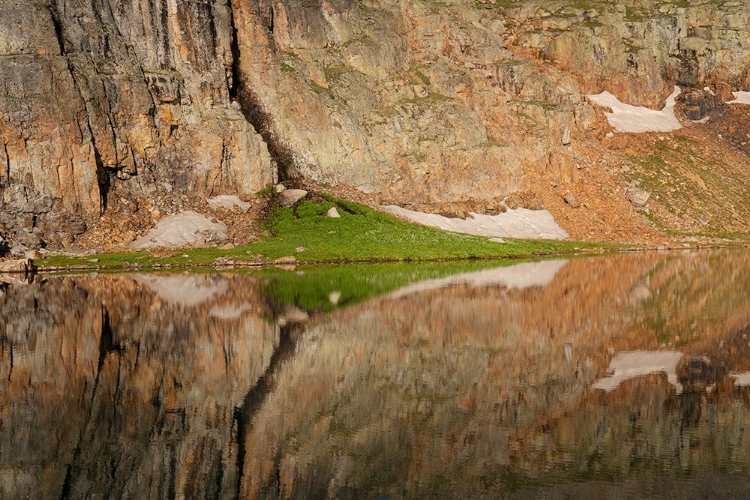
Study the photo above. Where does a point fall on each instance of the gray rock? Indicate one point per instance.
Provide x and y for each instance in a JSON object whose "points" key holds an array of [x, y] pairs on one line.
{"points": [[570, 199], [291, 196], [333, 213], [638, 197]]}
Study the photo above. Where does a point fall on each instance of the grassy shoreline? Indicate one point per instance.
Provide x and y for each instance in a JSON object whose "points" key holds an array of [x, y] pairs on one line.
{"points": [[305, 234]]}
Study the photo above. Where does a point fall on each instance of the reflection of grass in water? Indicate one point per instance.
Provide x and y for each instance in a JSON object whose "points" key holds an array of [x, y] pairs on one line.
{"points": [[310, 289]]}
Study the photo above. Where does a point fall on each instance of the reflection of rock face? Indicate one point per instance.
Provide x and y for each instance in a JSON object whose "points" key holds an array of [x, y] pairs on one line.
{"points": [[109, 389], [466, 389], [108, 384]]}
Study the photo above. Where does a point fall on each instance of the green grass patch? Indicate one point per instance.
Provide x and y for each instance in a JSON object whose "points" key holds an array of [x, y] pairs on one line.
{"points": [[424, 78], [319, 89], [361, 234], [365, 234], [333, 73]]}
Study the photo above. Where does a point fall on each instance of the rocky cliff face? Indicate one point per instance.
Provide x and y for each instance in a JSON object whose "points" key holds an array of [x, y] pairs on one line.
{"points": [[102, 101], [416, 101]]}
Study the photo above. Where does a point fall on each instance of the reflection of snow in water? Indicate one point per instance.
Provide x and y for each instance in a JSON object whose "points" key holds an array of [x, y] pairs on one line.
{"points": [[526, 275], [635, 119], [185, 290], [741, 379], [230, 311], [629, 365]]}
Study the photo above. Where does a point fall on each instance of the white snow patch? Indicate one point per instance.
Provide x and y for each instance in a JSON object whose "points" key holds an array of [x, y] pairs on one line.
{"points": [[181, 229], [517, 223], [184, 290], [741, 379], [632, 364], [228, 201], [741, 97], [636, 119], [519, 276], [231, 311]]}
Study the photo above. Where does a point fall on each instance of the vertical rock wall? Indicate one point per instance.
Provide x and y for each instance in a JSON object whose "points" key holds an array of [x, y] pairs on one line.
{"points": [[101, 98], [419, 102]]}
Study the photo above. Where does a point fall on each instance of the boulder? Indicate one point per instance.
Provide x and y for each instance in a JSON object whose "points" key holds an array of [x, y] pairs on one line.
{"points": [[289, 197], [638, 197]]}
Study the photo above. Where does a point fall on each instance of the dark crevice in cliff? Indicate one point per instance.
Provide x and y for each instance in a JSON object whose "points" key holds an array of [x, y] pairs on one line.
{"points": [[243, 415], [281, 155], [234, 83], [103, 180], [254, 113], [57, 26]]}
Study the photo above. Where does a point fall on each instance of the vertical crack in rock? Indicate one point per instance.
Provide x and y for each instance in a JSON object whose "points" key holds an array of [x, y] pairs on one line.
{"points": [[243, 415], [56, 24], [102, 176], [252, 109]]}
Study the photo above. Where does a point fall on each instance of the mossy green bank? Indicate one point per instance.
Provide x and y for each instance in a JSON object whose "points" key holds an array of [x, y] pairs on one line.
{"points": [[360, 234]]}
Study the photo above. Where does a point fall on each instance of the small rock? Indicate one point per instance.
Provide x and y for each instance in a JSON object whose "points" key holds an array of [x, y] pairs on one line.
{"points": [[333, 213], [280, 188], [638, 197], [420, 91], [289, 197], [497, 240], [570, 199], [228, 202], [566, 137], [300, 249], [334, 297], [32, 254]]}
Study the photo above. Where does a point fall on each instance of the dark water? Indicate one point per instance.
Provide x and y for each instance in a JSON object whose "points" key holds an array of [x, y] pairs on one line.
{"points": [[612, 377]]}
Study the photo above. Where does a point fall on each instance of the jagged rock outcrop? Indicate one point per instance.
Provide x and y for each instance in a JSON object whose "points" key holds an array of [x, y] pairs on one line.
{"points": [[417, 102], [100, 101], [127, 386]]}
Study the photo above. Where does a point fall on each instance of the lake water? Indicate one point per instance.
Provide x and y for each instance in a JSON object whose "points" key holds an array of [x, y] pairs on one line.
{"points": [[608, 377]]}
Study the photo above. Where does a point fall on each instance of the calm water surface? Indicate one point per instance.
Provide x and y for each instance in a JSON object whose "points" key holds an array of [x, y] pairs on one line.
{"points": [[609, 377]]}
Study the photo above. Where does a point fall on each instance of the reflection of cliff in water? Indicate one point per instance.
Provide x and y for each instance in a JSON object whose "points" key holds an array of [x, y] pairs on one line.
{"points": [[167, 386]]}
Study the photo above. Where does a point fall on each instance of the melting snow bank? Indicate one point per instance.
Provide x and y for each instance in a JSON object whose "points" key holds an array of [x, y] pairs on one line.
{"points": [[180, 230], [637, 119], [517, 223], [520, 276], [229, 202], [740, 98], [629, 365]]}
